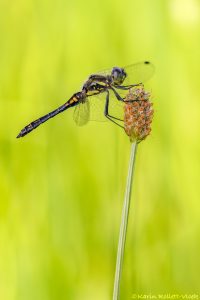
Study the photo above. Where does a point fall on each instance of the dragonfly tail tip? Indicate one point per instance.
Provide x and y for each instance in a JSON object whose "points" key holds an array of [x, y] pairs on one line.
{"points": [[19, 135]]}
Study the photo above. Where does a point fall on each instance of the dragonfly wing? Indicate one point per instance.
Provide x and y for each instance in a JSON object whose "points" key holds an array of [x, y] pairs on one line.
{"points": [[93, 109], [104, 72], [97, 107], [138, 73], [82, 113]]}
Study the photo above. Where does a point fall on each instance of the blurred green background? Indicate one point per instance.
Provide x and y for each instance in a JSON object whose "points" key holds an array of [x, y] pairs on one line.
{"points": [[62, 186]]}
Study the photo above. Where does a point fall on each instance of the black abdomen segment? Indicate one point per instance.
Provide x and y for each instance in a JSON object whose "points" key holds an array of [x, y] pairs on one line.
{"points": [[74, 100]]}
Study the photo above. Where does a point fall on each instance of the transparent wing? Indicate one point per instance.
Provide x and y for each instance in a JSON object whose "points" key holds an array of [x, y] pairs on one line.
{"points": [[94, 107], [136, 73], [97, 107], [82, 113]]}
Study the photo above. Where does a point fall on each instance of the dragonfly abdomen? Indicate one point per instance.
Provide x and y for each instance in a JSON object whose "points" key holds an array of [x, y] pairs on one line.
{"points": [[74, 100]]}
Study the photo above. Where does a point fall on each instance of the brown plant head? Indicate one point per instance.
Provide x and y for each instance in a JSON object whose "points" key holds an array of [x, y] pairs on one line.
{"points": [[138, 114]]}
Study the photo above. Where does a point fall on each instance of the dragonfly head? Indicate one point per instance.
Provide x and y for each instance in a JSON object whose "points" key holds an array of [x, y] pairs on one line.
{"points": [[118, 75]]}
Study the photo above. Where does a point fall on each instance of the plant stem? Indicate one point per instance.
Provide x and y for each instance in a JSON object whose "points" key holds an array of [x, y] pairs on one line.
{"points": [[124, 223]]}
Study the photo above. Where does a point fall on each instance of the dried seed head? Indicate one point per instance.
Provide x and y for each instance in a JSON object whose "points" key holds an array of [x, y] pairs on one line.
{"points": [[138, 114]]}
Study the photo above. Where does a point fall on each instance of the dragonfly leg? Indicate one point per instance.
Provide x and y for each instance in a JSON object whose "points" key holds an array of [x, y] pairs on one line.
{"points": [[106, 113], [127, 87], [117, 95]]}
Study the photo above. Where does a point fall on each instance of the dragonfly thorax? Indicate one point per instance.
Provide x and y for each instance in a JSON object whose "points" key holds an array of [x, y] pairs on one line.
{"points": [[118, 75]]}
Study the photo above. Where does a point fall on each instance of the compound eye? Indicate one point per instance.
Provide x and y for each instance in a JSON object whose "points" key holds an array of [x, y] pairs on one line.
{"points": [[115, 73]]}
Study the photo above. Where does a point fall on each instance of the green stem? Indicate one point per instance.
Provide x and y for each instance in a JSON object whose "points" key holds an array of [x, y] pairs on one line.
{"points": [[124, 223]]}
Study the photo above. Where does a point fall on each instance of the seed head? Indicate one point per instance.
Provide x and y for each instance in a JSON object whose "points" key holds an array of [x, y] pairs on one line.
{"points": [[138, 114]]}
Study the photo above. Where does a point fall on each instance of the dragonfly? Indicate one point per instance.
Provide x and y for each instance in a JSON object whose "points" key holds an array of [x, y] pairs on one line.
{"points": [[113, 81]]}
